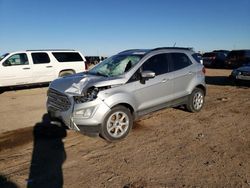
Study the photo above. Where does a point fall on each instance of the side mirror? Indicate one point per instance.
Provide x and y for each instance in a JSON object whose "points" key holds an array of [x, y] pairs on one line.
{"points": [[145, 75]]}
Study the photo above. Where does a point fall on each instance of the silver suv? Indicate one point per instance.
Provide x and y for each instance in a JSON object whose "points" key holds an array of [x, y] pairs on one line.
{"points": [[108, 98]]}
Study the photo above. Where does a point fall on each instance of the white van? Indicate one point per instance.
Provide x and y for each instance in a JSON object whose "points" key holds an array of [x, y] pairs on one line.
{"points": [[39, 66]]}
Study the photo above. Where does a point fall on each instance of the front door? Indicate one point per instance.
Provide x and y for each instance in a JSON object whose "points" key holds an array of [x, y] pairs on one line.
{"points": [[156, 91], [16, 70]]}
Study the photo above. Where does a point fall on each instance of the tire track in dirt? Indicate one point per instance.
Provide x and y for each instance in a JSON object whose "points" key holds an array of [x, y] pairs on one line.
{"points": [[11, 139]]}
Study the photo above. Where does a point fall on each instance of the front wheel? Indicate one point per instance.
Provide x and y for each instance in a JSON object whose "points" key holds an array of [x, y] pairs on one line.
{"points": [[196, 100], [117, 124]]}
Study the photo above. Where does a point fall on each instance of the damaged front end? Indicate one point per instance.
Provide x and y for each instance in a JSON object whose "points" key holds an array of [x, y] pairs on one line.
{"points": [[89, 95], [85, 110]]}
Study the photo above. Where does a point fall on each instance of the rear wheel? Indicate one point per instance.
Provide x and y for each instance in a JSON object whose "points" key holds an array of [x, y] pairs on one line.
{"points": [[196, 100], [117, 124]]}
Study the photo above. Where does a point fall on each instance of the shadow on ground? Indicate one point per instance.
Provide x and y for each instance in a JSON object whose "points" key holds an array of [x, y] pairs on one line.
{"points": [[48, 155], [218, 80], [17, 88], [226, 81], [5, 183]]}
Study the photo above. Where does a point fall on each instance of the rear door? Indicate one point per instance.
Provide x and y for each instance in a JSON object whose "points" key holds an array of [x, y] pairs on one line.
{"points": [[183, 72], [16, 70], [43, 68]]}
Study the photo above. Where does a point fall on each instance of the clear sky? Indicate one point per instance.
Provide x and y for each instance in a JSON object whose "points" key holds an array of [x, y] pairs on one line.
{"points": [[105, 27]]}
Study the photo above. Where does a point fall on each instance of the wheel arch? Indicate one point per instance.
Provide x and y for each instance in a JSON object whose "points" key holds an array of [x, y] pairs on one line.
{"points": [[66, 70], [202, 87], [128, 106]]}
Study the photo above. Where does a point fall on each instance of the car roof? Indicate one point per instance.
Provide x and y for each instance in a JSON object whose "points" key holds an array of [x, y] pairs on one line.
{"points": [[61, 50], [146, 51]]}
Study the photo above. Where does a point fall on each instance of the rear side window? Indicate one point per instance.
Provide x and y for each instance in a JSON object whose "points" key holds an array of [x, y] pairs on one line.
{"points": [[158, 64], [40, 58], [67, 56], [180, 60]]}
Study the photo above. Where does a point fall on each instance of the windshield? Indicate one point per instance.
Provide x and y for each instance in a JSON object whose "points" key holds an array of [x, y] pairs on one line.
{"points": [[115, 65], [3, 56]]}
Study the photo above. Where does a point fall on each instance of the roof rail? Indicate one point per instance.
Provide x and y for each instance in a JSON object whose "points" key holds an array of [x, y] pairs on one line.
{"points": [[52, 50], [174, 48]]}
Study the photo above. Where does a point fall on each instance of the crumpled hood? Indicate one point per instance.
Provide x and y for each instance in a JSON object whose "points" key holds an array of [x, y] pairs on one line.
{"points": [[244, 68], [79, 83]]}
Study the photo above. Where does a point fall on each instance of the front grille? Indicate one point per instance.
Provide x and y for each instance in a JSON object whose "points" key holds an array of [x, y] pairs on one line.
{"points": [[58, 101]]}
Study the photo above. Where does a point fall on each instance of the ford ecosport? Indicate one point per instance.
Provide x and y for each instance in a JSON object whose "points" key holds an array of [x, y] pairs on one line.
{"points": [[108, 98]]}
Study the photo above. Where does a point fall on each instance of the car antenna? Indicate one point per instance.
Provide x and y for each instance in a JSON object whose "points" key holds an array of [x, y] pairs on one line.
{"points": [[174, 44]]}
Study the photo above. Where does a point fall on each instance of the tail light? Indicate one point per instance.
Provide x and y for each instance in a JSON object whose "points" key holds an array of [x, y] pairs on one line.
{"points": [[204, 70], [212, 57], [86, 66]]}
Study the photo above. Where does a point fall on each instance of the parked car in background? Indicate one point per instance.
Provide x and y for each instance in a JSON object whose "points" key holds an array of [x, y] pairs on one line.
{"points": [[225, 52], [214, 59], [237, 58], [241, 74], [108, 98], [38, 66]]}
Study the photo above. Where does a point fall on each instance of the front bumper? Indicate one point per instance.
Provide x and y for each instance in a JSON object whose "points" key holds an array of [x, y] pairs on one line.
{"points": [[74, 119]]}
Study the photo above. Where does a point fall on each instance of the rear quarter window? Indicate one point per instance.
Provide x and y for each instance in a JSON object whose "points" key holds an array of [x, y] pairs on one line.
{"points": [[197, 57], [67, 56], [180, 61]]}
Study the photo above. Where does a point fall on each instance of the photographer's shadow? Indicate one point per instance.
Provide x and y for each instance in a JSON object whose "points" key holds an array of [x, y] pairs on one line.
{"points": [[48, 155]]}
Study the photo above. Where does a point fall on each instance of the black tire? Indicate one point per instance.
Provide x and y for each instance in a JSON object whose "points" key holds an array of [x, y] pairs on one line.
{"points": [[65, 73], [196, 100], [113, 128]]}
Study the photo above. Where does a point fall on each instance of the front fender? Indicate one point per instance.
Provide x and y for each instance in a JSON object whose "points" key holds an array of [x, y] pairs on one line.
{"points": [[121, 98]]}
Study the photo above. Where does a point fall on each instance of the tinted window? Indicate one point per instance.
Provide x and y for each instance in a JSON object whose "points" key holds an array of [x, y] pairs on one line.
{"points": [[17, 59], [39, 58], [180, 61], [248, 53], [158, 64], [235, 54], [67, 56]]}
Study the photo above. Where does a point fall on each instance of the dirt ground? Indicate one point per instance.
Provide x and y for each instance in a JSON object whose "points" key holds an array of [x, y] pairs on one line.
{"points": [[169, 148]]}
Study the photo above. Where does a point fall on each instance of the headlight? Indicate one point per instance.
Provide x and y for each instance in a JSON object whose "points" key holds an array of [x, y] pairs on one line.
{"points": [[88, 96], [84, 113]]}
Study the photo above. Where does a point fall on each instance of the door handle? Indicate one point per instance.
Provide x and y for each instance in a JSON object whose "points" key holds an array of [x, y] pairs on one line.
{"points": [[49, 66], [26, 68], [164, 80]]}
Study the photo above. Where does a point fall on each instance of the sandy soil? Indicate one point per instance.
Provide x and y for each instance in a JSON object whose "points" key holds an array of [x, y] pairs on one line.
{"points": [[169, 148]]}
